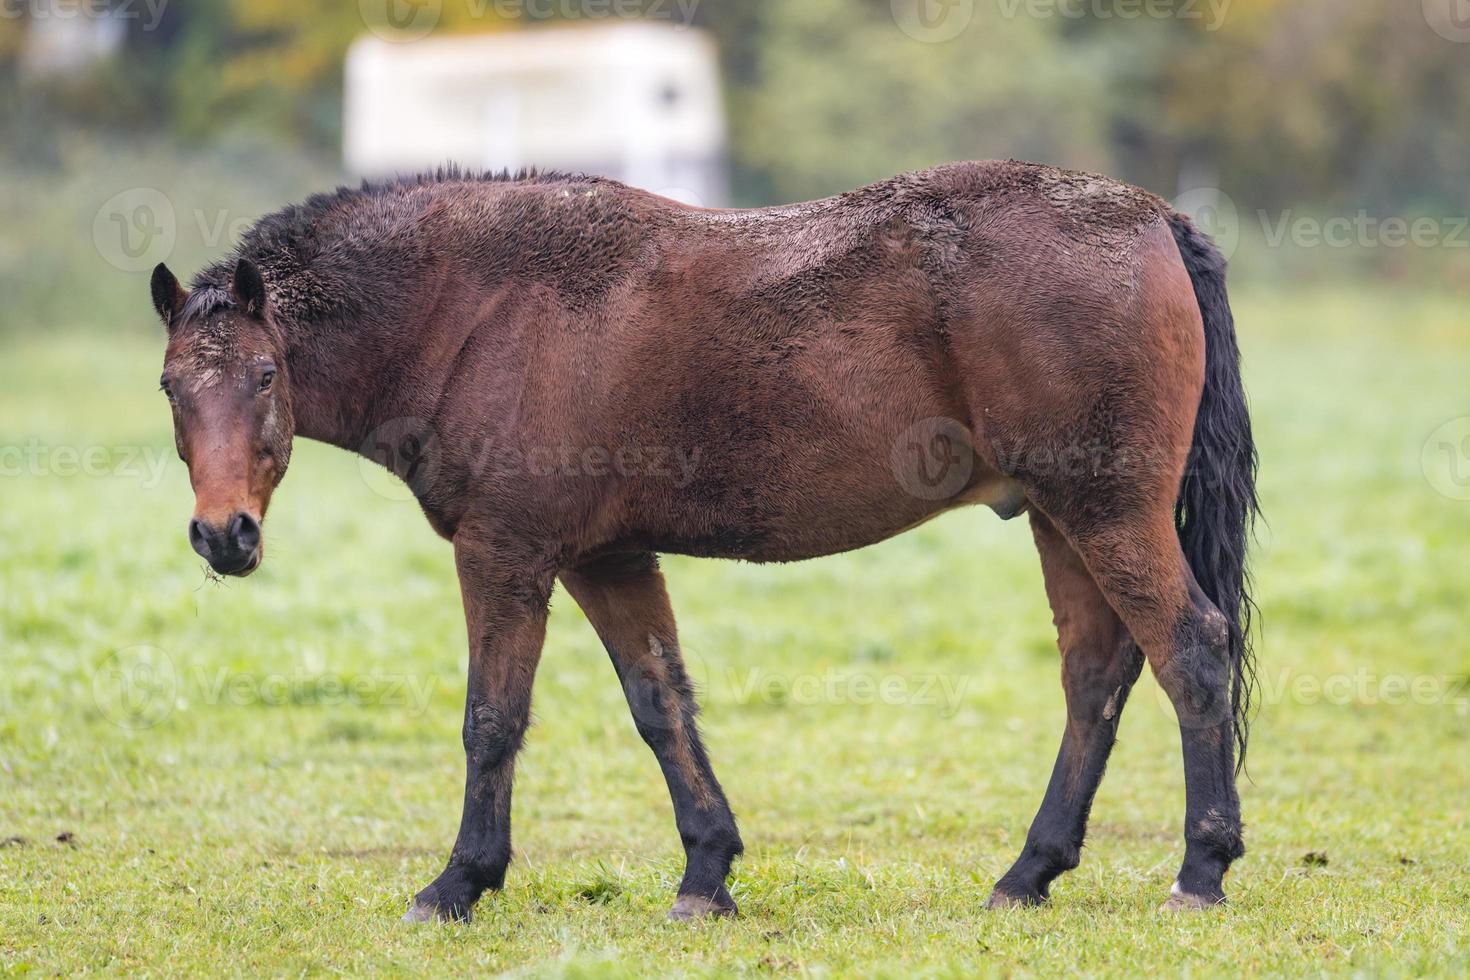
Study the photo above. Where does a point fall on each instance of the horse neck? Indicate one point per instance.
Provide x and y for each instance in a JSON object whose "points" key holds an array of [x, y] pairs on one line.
{"points": [[348, 381], [365, 348]]}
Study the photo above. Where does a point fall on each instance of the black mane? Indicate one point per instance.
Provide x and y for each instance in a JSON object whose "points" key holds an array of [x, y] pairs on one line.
{"points": [[284, 241]]}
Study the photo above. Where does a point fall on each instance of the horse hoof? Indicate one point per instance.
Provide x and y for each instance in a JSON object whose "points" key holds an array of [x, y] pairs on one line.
{"points": [[691, 908], [1002, 900], [420, 912], [1182, 901]]}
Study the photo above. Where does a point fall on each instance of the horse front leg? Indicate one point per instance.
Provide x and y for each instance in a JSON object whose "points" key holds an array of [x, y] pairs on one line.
{"points": [[626, 602], [505, 601]]}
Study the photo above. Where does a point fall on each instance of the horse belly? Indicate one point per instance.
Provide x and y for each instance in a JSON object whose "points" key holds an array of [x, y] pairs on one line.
{"points": [[815, 532], [780, 513]]}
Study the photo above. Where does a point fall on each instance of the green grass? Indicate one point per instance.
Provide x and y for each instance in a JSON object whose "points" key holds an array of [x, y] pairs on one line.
{"points": [[298, 779]]}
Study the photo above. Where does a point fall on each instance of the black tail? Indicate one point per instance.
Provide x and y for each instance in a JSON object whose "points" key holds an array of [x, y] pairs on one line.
{"points": [[1217, 502]]}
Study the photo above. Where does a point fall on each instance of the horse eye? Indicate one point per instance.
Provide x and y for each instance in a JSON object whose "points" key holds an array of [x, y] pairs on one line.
{"points": [[167, 390], [266, 379]]}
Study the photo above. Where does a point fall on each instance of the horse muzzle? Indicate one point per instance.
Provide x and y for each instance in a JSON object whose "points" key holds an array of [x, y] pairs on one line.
{"points": [[233, 548]]}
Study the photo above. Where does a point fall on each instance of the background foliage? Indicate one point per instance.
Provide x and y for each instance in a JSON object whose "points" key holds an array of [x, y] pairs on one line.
{"points": [[1300, 101], [1294, 108]]}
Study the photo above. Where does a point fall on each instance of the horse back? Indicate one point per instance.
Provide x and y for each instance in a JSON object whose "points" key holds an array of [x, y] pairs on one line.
{"points": [[783, 383]]}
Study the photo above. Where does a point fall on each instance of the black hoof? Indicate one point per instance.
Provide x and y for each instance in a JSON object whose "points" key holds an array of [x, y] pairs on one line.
{"points": [[419, 913], [691, 908], [1182, 901], [430, 905], [1005, 900]]}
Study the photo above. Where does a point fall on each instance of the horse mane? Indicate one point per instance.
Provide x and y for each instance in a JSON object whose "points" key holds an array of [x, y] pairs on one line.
{"points": [[453, 172], [206, 298], [284, 242]]}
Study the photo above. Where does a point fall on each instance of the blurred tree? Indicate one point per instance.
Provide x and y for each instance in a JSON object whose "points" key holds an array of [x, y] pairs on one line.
{"points": [[212, 66], [835, 95], [1334, 103], [1324, 102]]}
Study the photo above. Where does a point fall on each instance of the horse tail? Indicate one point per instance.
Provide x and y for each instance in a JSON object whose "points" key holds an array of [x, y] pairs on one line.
{"points": [[1217, 504]]}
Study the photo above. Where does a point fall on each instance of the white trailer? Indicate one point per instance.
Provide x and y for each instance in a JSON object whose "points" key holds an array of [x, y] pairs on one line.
{"points": [[633, 100]]}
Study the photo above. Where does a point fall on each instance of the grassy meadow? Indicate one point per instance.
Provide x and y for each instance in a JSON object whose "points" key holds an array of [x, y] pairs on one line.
{"points": [[255, 776]]}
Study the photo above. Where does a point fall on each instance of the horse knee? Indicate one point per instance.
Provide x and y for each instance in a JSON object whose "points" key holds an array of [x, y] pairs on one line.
{"points": [[490, 735], [1197, 674], [659, 696]]}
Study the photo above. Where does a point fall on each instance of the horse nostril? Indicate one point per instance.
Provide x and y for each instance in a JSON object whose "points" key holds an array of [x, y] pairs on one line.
{"points": [[245, 533], [199, 537]]}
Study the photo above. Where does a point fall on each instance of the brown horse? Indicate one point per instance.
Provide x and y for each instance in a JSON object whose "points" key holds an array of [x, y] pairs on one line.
{"points": [[575, 376]]}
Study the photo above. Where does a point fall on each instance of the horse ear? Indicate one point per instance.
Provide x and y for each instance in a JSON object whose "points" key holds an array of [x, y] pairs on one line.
{"points": [[248, 288], [168, 295]]}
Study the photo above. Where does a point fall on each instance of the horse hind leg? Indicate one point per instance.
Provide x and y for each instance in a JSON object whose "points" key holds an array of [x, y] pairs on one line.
{"points": [[1136, 560], [1100, 664]]}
